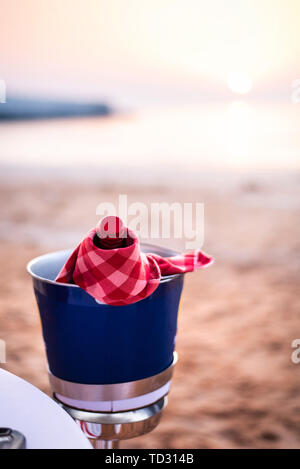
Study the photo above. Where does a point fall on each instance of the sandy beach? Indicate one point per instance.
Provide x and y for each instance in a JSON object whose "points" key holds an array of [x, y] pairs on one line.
{"points": [[235, 385]]}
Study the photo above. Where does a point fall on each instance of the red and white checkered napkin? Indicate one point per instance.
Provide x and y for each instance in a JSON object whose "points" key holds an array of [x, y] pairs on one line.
{"points": [[123, 275]]}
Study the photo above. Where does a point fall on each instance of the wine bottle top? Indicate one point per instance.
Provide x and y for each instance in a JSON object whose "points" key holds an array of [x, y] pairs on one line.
{"points": [[110, 232]]}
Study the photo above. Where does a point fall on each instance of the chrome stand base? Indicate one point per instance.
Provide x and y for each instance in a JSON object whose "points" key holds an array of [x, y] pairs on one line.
{"points": [[104, 444], [108, 413], [106, 429]]}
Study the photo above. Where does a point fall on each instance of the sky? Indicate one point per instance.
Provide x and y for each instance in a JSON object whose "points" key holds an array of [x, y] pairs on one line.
{"points": [[210, 81], [161, 51]]}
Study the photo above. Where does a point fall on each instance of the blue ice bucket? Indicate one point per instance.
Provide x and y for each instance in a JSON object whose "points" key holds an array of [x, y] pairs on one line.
{"points": [[92, 343]]}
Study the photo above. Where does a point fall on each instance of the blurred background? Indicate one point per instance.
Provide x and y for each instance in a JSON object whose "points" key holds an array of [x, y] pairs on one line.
{"points": [[166, 101]]}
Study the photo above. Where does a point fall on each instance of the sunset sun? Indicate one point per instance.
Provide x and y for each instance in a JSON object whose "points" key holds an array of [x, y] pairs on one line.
{"points": [[239, 82]]}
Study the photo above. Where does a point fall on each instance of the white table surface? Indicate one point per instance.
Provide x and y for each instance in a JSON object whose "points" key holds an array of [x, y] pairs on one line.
{"points": [[45, 425]]}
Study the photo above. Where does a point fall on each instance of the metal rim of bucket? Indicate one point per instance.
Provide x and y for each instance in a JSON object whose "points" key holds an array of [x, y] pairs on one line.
{"points": [[107, 418], [110, 392], [147, 246]]}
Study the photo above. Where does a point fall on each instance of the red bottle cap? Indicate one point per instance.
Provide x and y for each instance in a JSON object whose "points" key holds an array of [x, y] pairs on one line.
{"points": [[111, 232]]}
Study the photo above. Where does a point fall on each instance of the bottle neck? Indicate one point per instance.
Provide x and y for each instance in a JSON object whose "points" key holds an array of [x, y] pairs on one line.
{"points": [[108, 243]]}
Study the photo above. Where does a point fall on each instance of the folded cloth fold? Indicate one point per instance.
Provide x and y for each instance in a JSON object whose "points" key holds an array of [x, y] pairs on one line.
{"points": [[123, 275]]}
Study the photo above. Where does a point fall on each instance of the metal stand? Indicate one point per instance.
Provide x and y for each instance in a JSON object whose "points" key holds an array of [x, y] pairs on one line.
{"points": [[108, 413], [105, 430], [104, 444]]}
